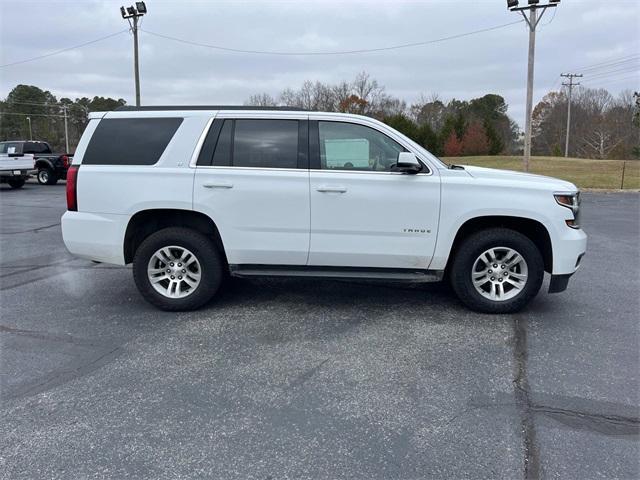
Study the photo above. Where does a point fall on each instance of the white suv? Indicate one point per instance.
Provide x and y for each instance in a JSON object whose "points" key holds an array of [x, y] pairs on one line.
{"points": [[191, 194]]}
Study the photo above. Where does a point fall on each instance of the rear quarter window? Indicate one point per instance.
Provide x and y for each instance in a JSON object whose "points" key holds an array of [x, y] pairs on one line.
{"points": [[130, 141]]}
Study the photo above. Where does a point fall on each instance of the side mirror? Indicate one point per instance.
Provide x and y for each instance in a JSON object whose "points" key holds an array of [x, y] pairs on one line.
{"points": [[407, 163]]}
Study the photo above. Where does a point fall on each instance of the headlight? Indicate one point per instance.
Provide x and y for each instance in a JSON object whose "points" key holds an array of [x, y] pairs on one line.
{"points": [[572, 202]]}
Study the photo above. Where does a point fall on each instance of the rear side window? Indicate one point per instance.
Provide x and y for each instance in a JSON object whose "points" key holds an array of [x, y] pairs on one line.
{"points": [[10, 147], [130, 141], [265, 143], [36, 147]]}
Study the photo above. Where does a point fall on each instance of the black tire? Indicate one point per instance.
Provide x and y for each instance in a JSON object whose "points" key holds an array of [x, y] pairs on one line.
{"points": [[211, 267], [16, 182], [46, 176], [474, 246]]}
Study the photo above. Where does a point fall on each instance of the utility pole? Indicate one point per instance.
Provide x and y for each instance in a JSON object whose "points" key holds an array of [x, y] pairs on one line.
{"points": [[570, 76], [66, 129], [30, 132], [532, 22], [132, 14]]}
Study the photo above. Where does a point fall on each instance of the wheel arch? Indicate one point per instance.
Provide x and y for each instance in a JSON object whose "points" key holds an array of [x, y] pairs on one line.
{"points": [[532, 229], [44, 162], [145, 222]]}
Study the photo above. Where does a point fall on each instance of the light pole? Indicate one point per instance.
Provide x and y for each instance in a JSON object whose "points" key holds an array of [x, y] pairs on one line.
{"points": [[532, 21], [570, 76], [30, 132], [66, 129], [131, 14]]}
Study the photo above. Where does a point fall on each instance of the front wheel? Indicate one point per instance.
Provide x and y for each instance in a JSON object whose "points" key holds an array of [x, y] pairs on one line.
{"points": [[177, 269], [497, 271]]}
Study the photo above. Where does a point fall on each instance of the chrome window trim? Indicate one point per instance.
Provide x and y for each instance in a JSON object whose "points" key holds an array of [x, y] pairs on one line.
{"points": [[196, 151], [275, 169], [315, 170], [370, 172]]}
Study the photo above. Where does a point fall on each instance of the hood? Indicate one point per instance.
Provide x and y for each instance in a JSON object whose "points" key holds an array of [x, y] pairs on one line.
{"points": [[520, 177]]}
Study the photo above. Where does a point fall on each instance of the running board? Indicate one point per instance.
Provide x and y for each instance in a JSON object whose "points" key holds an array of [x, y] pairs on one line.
{"points": [[389, 274]]}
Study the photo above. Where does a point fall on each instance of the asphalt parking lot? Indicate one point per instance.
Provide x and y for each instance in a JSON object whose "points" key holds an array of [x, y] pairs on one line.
{"points": [[320, 379]]}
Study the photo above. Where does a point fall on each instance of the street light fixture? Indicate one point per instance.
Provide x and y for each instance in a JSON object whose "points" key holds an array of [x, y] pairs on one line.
{"points": [[131, 14], [30, 132], [532, 21]]}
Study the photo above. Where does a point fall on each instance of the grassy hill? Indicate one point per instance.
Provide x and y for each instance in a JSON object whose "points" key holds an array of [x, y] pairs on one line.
{"points": [[584, 173]]}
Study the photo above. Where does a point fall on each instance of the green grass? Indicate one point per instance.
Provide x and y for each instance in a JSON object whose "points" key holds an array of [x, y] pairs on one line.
{"points": [[584, 173]]}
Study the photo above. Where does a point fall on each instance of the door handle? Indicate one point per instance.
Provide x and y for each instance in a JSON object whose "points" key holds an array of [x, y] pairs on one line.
{"points": [[218, 185], [331, 188]]}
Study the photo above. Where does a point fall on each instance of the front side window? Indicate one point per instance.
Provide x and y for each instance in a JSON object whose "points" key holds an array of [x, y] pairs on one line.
{"points": [[348, 146]]}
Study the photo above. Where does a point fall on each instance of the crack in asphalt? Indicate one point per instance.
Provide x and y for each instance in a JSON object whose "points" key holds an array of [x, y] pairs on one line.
{"points": [[613, 425], [65, 337], [67, 375], [523, 402], [31, 230]]}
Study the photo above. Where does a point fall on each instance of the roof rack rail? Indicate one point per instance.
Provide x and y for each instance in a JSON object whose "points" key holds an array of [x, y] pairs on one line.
{"points": [[152, 108]]}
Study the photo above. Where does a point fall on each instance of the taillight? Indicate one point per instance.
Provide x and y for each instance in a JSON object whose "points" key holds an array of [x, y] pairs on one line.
{"points": [[65, 161], [72, 188]]}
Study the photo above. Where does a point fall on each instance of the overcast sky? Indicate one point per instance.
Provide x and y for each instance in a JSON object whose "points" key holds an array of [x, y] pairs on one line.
{"points": [[582, 33]]}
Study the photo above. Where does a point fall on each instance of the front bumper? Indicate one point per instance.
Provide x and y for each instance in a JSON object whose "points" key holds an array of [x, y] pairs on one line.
{"points": [[568, 251]]}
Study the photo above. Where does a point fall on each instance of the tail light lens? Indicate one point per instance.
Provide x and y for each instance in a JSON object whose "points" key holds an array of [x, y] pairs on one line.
{"points": [[72, 188], [65, 161]]}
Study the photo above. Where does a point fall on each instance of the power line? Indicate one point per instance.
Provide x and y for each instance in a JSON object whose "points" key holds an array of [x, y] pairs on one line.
{"points": [[342, 52], [608, 81], [613, 64], [64, 49], [32, 114], [49, 105], [587, 67], [613, 72]]}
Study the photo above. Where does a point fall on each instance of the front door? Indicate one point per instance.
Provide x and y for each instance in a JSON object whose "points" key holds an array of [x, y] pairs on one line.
{"points": [[363, 214], [252, 179]]}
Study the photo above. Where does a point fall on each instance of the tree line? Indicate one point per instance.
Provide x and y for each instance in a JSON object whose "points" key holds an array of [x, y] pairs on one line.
{"points": [[479, 126], [46, 113], [602, 126]]}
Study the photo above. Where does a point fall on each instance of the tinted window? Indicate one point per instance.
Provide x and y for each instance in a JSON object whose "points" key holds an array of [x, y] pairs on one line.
{"points": [[130, 141], [222, 155], [348, 146], [36, 147], [265, 143]]}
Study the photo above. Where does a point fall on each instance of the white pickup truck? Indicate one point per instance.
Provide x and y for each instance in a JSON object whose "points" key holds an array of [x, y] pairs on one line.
{"points": [[190, 195], [15, 168]]}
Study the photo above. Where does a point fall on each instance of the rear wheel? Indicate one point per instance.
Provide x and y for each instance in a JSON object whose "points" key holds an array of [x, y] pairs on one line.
{"points": [[46, 176], [177, 269], [497, 271], [16, 182]]}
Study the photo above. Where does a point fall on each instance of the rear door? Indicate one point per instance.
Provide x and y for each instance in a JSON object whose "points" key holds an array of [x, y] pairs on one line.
{"points": [[252, 179]]}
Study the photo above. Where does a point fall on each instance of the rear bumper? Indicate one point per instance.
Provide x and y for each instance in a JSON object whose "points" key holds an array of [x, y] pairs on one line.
{"points": [[93, 236], [11, 173]]}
